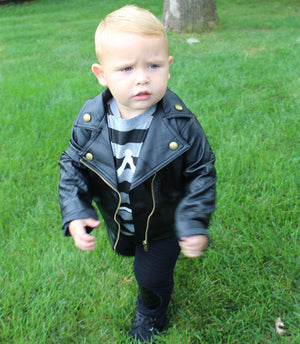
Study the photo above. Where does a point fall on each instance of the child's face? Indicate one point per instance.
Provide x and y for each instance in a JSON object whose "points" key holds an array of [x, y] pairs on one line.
{"points": [[136, 70]]}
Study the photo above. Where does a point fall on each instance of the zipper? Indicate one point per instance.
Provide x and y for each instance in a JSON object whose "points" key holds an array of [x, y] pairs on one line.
{"points": [[118, 207], [145, 242]]}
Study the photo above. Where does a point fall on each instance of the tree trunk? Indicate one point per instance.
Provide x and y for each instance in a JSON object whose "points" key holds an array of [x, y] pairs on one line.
{"points": [[190, 15]]}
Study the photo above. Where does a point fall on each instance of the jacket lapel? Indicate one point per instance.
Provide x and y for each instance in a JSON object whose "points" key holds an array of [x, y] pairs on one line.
{"points": [[162, 145], [103, 160]]}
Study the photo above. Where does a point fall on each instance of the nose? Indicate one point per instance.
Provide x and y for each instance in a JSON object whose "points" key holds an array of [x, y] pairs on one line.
{"points": [[141, 77]]}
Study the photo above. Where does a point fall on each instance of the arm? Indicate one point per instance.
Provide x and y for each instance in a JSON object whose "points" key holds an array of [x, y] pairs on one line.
{"points": [[74, 191], [198, 203]]}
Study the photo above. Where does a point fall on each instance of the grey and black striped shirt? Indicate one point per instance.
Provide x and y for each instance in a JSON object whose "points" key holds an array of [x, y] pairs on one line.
{"points": [[127, 137]]}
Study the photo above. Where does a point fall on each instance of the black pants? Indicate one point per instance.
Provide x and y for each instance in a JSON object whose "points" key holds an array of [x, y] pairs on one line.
{"points": [[153, 271]]}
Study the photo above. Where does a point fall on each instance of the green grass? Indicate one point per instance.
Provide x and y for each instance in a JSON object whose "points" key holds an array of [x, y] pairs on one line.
{"points": [[242, 81]]}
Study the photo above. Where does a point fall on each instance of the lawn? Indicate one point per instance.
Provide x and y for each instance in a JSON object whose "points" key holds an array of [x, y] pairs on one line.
{"points": [[242, 82]]}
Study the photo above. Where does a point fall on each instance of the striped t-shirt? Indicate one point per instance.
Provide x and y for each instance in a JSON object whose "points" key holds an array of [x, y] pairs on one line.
{"points": [[127, 137]]}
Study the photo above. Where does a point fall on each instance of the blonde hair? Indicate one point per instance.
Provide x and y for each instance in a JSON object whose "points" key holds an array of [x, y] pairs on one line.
{"points": [[128, 19]]}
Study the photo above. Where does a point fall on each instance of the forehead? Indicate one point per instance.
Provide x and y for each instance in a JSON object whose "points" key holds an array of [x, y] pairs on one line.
{"points": [[132, 43]]}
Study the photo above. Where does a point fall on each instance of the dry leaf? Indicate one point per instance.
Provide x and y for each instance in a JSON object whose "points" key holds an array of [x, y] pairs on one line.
{"points": [[279, 327], [127, 280]]}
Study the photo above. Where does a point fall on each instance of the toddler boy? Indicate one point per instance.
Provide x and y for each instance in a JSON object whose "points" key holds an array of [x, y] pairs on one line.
{"points": [[143, 158]]}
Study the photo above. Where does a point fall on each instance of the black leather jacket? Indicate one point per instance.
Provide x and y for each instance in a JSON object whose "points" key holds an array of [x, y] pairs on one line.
{"points": [[173, 188]]}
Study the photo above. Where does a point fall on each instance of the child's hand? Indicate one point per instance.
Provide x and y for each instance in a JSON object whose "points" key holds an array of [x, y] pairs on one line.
{"points": [[193, 246], [82, 239]]}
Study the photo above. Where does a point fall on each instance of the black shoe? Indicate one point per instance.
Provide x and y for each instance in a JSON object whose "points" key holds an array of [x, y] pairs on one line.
{"points": [[145, 327]]}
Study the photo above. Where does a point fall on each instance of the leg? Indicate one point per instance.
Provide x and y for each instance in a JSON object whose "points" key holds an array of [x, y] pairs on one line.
{"points": [[154, 274]]}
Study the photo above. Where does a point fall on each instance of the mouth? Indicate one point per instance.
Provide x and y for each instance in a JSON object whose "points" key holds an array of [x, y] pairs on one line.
{"points": [[142, 95]]}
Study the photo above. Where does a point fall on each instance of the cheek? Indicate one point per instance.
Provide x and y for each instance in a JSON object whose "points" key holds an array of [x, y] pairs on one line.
{"points": [[162, 82], [118, 89], [120, 81]]}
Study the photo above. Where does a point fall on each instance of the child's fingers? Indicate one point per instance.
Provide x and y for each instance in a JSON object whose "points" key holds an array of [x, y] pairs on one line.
{"points": [[82, 239], [191, 253], [90, 222], [193, 246]]}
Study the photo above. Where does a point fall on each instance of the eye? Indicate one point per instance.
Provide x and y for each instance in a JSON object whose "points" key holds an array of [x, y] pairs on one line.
{"points": [[127, 69], [153, 66]]}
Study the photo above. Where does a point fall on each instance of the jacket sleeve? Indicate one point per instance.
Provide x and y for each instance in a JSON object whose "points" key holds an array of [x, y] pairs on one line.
{"points": [[194, 211], [74, 191]]}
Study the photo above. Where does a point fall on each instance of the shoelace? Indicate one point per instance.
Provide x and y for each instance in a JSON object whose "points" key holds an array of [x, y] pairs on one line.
{"points": [[146, 322]]}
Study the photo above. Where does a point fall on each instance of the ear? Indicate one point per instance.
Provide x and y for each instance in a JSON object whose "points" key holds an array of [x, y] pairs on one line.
{"points": [[171, 59], [99, 73]]}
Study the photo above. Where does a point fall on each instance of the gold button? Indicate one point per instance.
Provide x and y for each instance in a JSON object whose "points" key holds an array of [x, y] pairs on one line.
{"points": [[89, 156], [87, 117], [173, 145], [178, 107]]}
